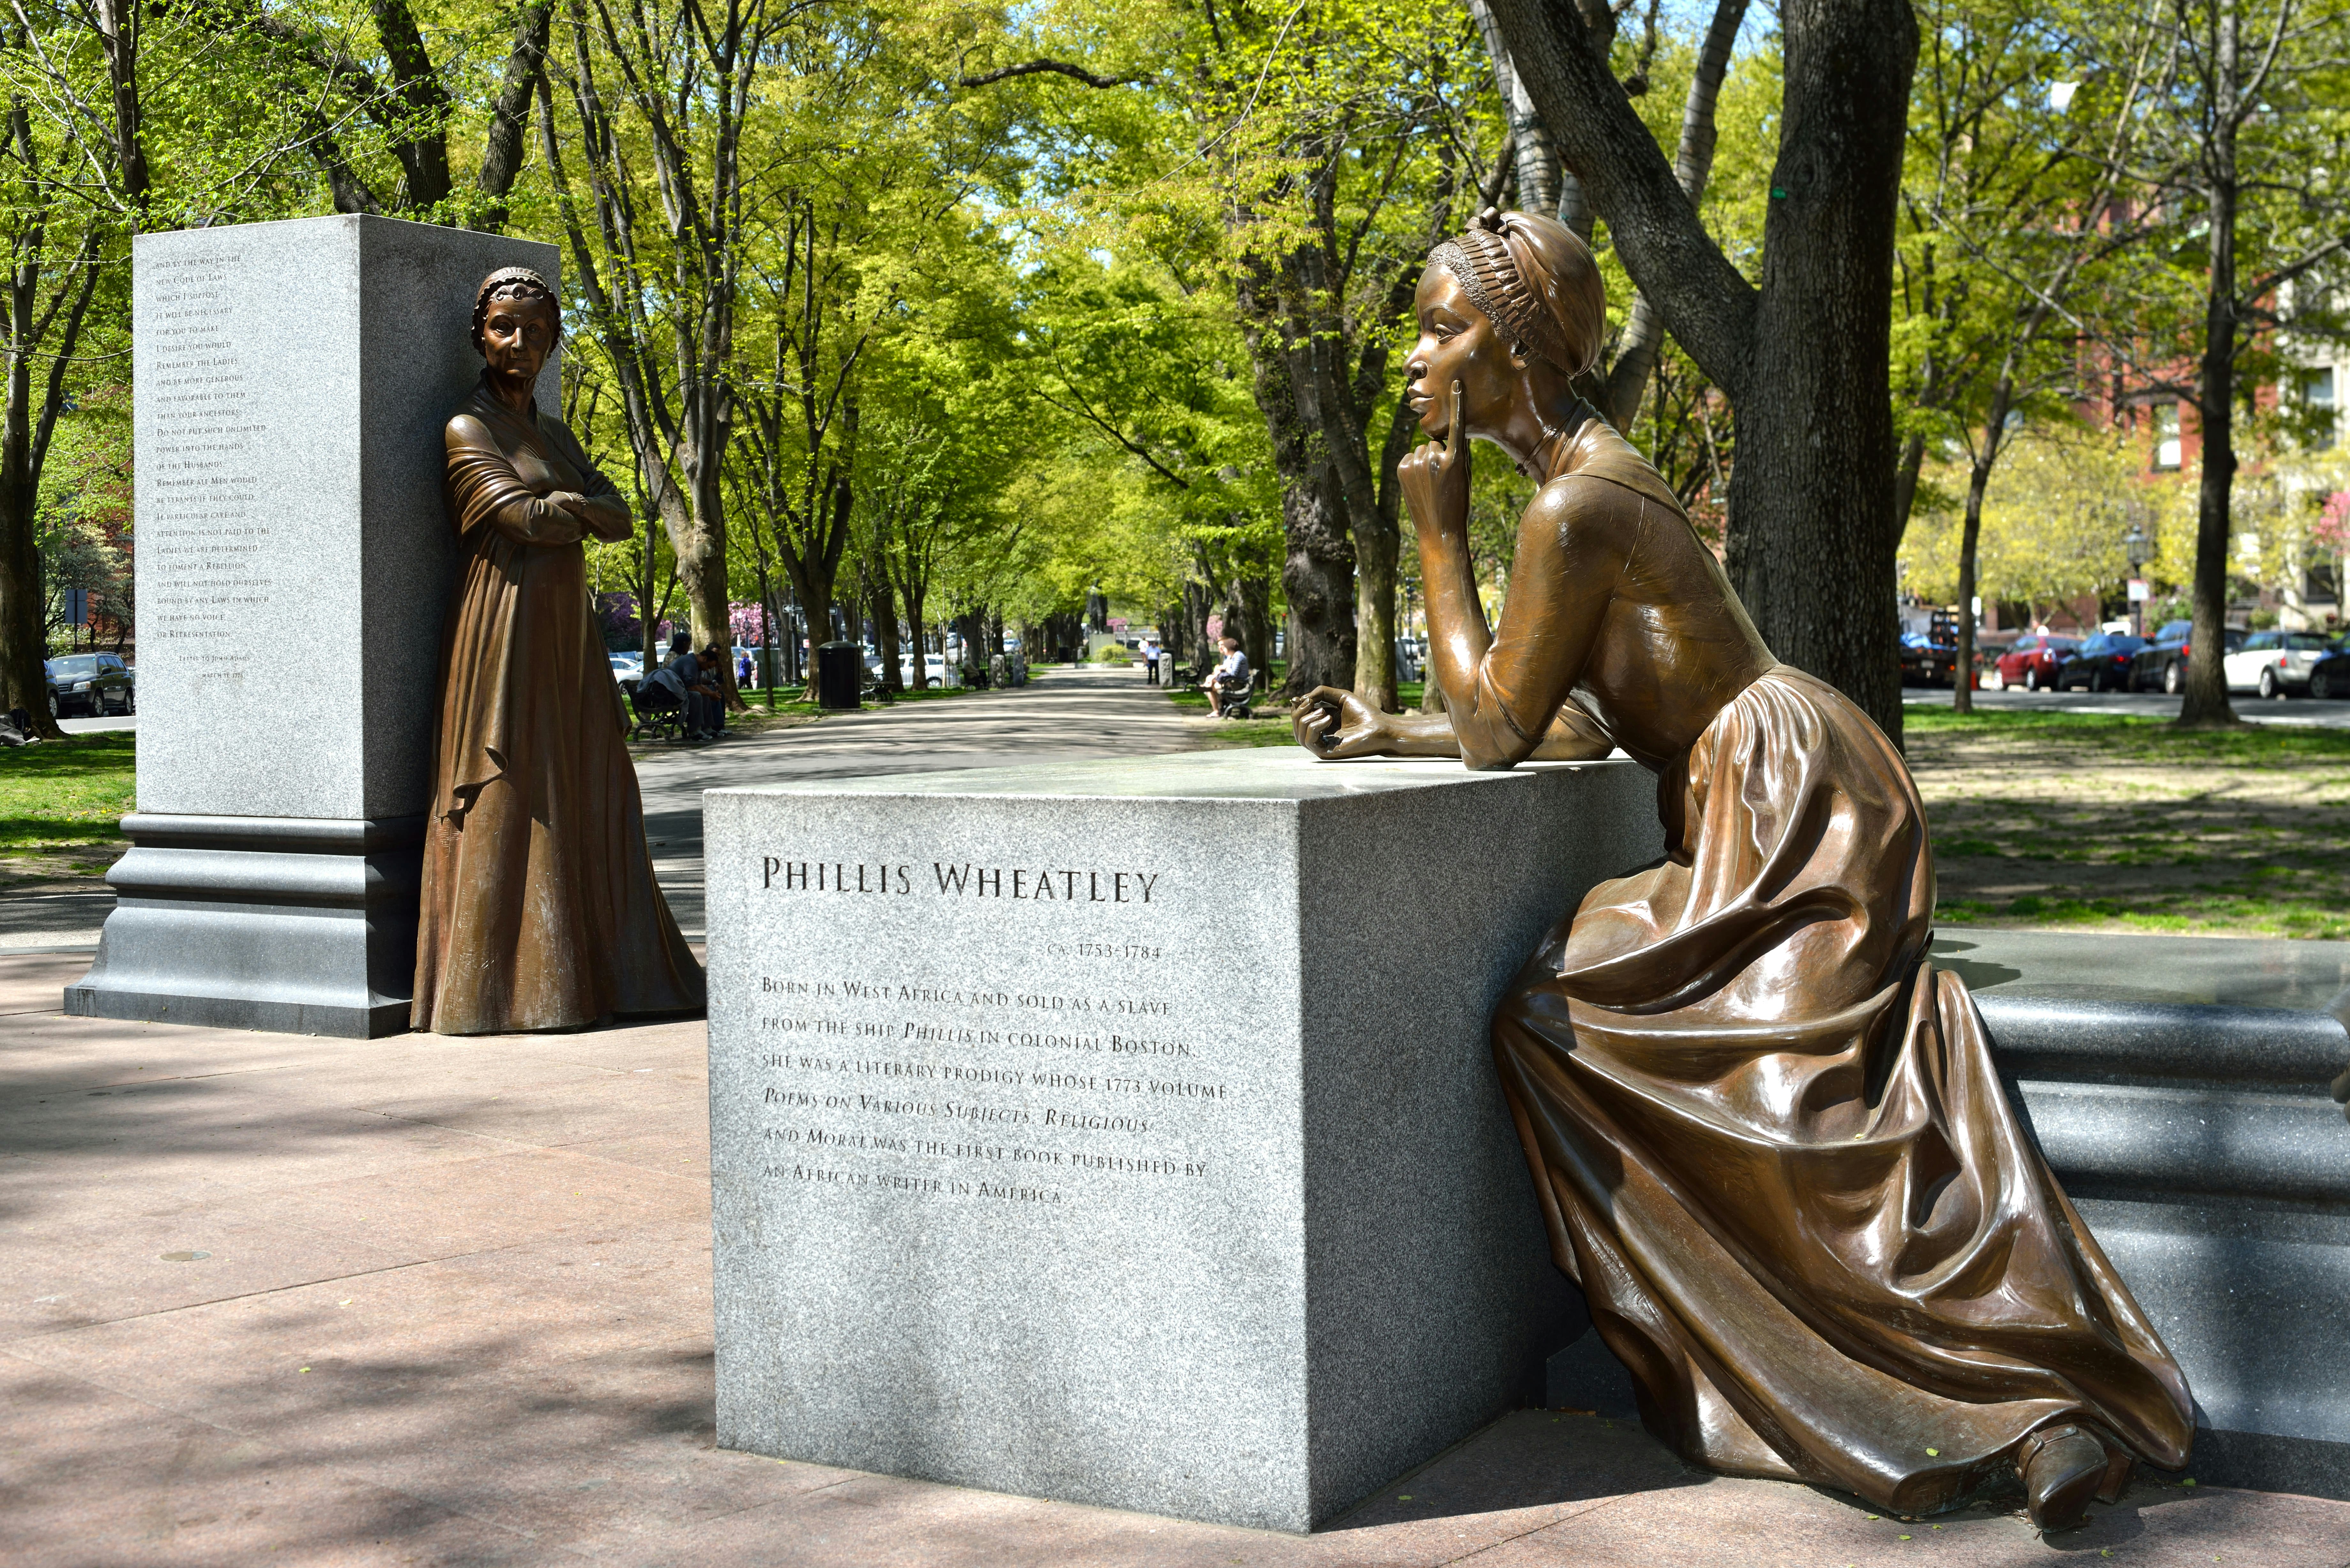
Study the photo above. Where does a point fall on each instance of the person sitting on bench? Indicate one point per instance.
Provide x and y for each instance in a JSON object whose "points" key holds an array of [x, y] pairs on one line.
{"points": [[1231, 676]]}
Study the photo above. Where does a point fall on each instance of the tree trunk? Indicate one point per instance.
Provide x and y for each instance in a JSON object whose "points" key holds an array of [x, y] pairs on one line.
{"points": [[1535, 160], [421, 141], [885, 634], [24, 629], [1962, 697], [1318, 563], [1248, 616], [1644, 331], [648, 621], [27, 424], [1195, 626], [2207, 704], [698, 539], [117, 36], [1804, 358], [1811, 496], [914, 593], [503, 144], [1905, 484], [1376, 549], [814, 590]]}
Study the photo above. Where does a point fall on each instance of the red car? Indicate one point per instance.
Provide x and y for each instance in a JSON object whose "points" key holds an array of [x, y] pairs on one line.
{"points": [[2032, 659]]}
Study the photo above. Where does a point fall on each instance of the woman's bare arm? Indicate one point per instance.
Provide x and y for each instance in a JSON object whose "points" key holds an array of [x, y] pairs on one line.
{"points": [[1335, 724]]}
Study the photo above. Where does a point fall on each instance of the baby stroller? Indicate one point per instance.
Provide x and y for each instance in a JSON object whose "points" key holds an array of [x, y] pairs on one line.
{"points": [[661, 712]]}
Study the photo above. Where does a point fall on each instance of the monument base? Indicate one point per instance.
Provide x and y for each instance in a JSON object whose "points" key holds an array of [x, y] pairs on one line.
{"points": [[2202, 1147], [297, 925], [1125, 1132]]}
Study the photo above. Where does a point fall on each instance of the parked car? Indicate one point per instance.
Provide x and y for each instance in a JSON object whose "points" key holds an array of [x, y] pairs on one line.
{"points": [[2275, 663], [2162, 664], [1926, 661], [935, 667], [91, 683], [2329, 678], [627, 669], [2100, 664], [2032, 659]]}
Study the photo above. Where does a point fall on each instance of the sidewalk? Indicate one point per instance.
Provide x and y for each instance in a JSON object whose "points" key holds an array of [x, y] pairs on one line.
{"points": [[1059, 716], [275, 1298]]}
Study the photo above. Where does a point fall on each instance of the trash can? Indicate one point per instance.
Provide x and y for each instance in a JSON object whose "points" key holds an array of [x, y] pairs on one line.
{"points": [[840, 670]]}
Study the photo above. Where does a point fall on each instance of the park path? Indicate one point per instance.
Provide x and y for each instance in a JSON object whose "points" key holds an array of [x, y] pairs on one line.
{"points": [[1060, 716]]}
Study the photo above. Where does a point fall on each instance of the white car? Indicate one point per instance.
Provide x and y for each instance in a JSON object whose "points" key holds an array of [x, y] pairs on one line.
{"points": [[933, 665], [627, 669], [2274, 663]]}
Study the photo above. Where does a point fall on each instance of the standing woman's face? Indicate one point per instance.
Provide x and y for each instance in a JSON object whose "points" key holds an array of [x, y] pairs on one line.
{"points": [[1458, 343], [517, 334]]}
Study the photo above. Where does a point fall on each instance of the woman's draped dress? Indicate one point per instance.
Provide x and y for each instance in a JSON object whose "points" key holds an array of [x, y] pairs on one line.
{"points": [[540, 909], [1769, 1142]]}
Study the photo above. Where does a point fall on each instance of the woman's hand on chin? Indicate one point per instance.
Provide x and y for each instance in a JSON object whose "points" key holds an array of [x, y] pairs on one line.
{"points": [[1335, 724], [1435, 478]]}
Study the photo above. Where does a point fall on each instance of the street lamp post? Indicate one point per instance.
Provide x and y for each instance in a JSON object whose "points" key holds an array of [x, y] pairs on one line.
{"points": [[2135, 544]]}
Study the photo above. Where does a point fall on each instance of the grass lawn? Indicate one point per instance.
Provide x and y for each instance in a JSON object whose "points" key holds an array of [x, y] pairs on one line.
{"points": [[2091, 822], [59, 802]]}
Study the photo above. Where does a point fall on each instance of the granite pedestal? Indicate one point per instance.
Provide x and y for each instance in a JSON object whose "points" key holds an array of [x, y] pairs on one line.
{"points": [[1127, 1132], [293, 379], [2203, 1147]]}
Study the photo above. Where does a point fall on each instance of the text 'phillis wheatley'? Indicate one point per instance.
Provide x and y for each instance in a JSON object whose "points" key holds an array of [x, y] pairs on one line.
{"points": [[958, 881]]}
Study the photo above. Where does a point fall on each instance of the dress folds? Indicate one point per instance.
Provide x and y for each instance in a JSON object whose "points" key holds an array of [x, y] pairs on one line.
{"points": [[539, 906], [1769, 1143]]}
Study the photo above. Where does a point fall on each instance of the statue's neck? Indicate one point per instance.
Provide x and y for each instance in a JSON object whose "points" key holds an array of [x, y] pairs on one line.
{"points": [[1540, 449]]}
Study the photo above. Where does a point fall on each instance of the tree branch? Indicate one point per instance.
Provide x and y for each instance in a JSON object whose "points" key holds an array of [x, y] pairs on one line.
{"points": [[1052, 68], [1707, 305]]}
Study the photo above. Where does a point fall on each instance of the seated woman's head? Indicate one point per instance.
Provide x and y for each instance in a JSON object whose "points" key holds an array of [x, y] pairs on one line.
{"points": [[1512, 310]]}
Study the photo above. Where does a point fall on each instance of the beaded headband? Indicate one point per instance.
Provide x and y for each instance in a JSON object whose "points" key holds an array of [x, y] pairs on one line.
{"points": [[525, 284], [1495, 283]]}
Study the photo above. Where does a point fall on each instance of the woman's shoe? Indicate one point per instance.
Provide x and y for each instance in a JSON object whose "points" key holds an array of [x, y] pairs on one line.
{"points": [[2063, 1468]]}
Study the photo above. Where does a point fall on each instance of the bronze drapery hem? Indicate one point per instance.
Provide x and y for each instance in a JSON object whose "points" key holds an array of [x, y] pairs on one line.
{"points": [[1769, 1143]]}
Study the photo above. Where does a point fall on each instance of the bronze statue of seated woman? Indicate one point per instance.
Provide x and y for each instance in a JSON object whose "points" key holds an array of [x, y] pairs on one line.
{"points": [[1765, 1132]]}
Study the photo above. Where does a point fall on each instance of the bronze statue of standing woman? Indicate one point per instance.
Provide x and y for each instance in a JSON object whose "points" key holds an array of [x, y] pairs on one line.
{"points": [[540, 910], [1765, 1132]]}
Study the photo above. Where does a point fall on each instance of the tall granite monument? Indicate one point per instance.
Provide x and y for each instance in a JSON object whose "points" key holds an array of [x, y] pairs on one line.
{"points": [[293, 382]]}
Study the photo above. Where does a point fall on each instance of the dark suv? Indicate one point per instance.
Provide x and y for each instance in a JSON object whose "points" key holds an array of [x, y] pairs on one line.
{"points": [[91, 683], [2161, 665]]}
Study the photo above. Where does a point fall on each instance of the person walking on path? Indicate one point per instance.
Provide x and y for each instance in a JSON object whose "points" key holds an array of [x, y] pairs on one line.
{"points": [[1151, 660]]}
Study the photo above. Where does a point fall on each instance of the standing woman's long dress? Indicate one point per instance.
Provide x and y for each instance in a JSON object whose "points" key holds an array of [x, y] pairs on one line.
{"points": [[540, 910], [1766, 1133]]}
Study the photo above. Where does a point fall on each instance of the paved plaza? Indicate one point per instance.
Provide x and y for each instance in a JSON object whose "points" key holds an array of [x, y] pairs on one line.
{"points": [[289, 1300], [281, 1298]]}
